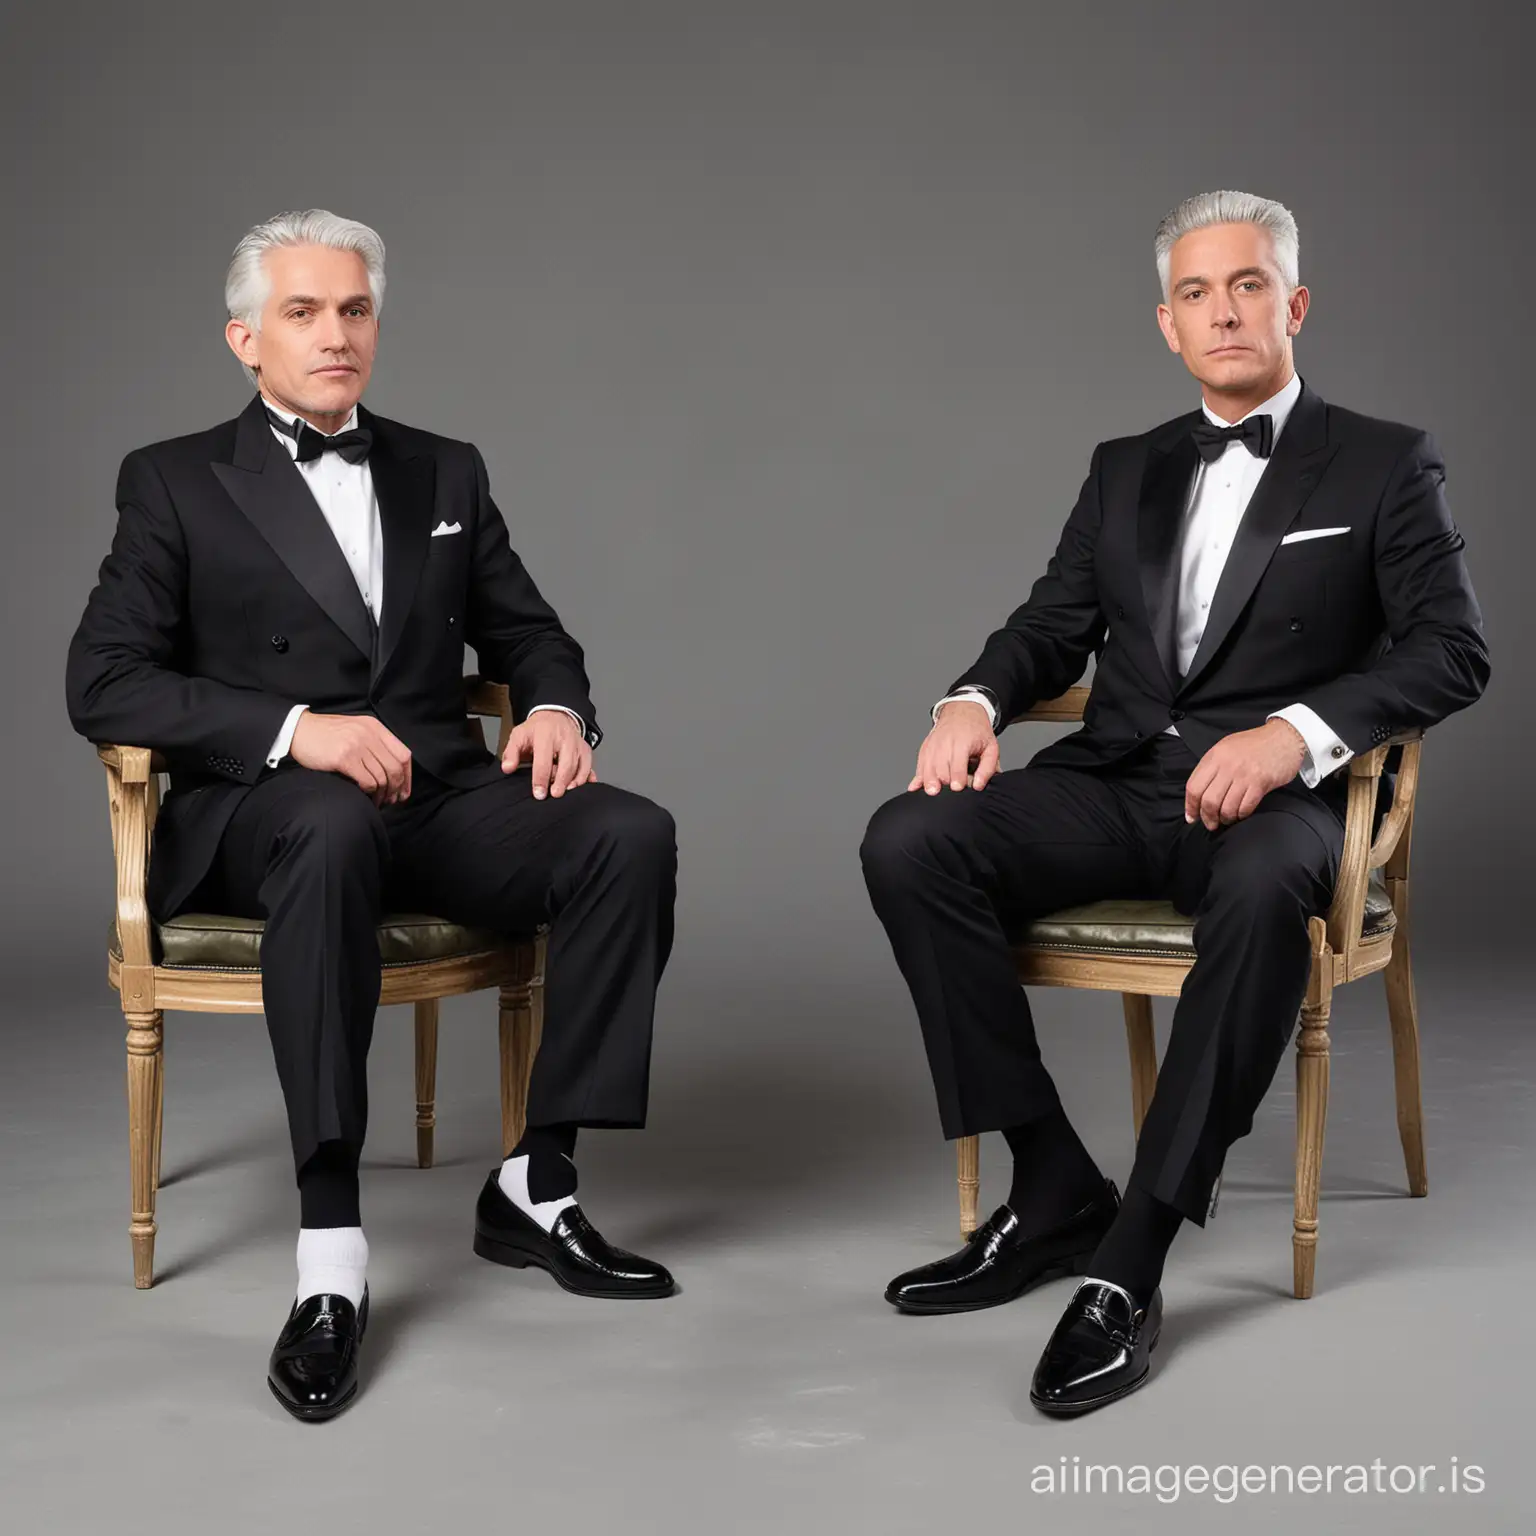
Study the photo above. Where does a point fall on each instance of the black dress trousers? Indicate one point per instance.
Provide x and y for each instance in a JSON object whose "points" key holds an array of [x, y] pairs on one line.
{"points": [[954, 878], [311, 854]]}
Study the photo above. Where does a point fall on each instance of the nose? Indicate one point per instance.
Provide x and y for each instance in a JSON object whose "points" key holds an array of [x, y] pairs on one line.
{"points": [[333, 334], [1223, 311]]}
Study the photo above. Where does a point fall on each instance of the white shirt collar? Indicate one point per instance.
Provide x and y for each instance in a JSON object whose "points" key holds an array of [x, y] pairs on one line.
{"points": [[1278, 406], [292, 416]]}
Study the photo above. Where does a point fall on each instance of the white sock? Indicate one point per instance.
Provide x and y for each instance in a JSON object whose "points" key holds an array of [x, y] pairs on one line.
{"points": [[513, 1179], [332, 1261]]}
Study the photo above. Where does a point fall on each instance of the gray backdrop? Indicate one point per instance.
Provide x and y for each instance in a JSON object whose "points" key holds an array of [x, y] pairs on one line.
{"points": [[786, 331]]}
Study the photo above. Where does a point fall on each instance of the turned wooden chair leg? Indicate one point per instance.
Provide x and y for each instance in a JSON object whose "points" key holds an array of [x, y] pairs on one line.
{"points": [[968, 1158], [1143, 1047], [521, 1024], [1311, 1107], [426, 1080], [145, 1033], [1403, 1011]]}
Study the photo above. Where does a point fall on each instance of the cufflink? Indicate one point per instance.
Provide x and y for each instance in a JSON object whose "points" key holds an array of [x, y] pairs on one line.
{"points": [[1339, 751]]}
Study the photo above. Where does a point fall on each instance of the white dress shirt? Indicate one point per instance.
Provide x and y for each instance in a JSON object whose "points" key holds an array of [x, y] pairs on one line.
{"points": [[347, 500], [1218, 497]]}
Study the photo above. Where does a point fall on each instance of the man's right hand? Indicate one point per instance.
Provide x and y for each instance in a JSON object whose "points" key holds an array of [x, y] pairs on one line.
{"points": [[360, 747], [962, 735]]}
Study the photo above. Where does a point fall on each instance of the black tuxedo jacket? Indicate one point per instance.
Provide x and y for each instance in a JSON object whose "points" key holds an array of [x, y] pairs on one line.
{"points": [[226, 600], [1376, 629]]}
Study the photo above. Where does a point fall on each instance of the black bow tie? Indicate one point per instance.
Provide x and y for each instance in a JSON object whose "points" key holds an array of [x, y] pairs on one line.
{"points": [[353, 446], [1257, 435]]}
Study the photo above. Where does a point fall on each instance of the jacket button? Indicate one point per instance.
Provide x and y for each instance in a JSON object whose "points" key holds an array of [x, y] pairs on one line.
{"points": [[1297, 626], [451, 621], [1119, 613], [1138, 735], [1175, 714], [279, 643]]}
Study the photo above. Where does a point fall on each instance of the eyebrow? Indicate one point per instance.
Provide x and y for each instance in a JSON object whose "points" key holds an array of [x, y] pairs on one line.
{"points": [[1185, 282], [314, 303]]}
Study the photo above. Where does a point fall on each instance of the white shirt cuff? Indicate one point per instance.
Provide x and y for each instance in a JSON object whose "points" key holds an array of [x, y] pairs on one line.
{"points": [[967, 696], [581, 725], [284, 738], [1323, 747]]}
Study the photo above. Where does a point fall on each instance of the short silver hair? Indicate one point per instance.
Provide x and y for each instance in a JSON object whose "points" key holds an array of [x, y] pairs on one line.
{"points": [[1207, 208], [248, 285]]}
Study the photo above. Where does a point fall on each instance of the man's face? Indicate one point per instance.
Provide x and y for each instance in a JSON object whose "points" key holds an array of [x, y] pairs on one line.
{"points": [[1229, 314], [314, 350]]}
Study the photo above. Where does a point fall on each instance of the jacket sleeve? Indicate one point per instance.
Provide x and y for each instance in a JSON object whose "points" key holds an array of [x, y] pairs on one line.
{"points": [[125, 677], [1438, 659], [516, 635], [1044, 647]]}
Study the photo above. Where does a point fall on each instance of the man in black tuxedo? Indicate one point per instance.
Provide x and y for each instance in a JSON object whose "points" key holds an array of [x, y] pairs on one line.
{"points": [[283, 614], [1270, 585]]}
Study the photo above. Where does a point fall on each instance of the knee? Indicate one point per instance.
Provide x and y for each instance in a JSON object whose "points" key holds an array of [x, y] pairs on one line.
{"points": [[335, 826], [1252, 885], [640, 832], [901, 835]]}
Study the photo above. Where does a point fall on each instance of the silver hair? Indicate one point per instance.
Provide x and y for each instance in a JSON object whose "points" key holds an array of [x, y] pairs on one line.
{"points": [[1207, 208], [247, 284]]}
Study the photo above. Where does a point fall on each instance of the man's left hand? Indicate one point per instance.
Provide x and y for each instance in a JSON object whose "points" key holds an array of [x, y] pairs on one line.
{"points": [[1234, 776], [561, 759]]}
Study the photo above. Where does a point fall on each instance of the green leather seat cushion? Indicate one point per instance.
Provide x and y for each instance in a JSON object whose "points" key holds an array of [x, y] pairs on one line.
{"points": [[1156, 928], [203, 941], [207, 941]]}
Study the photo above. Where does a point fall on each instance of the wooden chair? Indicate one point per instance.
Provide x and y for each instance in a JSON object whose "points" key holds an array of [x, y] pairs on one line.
{"points": [[1144, 949], [206, 963]]}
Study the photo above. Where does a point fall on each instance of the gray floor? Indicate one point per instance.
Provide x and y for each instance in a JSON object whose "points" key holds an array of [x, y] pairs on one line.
{"points": [[784, 1182]]}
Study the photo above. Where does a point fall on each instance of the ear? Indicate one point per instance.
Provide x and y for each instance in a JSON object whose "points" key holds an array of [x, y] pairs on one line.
{"points": [[1296, 310], [1165, 325], [242, 342]]}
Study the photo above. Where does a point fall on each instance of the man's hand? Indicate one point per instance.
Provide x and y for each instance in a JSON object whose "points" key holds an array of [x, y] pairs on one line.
{"points": [[962, 735], [358, 746], [1234, 776], [561, 759]]}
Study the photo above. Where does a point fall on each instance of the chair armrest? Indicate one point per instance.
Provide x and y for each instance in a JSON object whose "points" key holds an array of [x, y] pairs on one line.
{"points": [[118, 757], [483, 697], [1064, 707], [132, 800], [1392, 839], [1361, 853]]}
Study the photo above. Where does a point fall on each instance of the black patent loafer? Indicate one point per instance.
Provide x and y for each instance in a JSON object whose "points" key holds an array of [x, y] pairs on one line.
{"points": [[1001, 1263], [1100, 1351], [579, 1257], [313, 1368]]}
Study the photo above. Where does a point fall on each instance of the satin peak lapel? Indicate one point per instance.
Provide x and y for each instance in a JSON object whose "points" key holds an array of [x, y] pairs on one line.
{"points": [[1165, 483], [268, 488], [404, 483]]}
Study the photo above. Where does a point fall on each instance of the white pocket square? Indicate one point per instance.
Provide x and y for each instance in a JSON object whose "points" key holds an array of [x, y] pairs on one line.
{"points": [[1312, 533], [445, 527]]}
